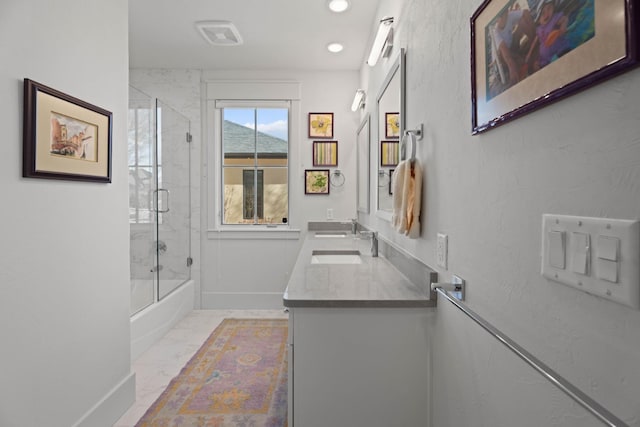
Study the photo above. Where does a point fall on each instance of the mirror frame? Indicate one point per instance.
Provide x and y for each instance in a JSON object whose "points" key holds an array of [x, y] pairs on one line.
{"points": [[364, 164], [399, 66]]}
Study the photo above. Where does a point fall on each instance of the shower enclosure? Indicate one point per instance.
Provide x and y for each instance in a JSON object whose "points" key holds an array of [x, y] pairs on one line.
{"points": [[159, 199]]}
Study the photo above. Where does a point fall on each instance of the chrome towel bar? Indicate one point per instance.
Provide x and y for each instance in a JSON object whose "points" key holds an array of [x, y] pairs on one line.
{"points": [[572, 391]]}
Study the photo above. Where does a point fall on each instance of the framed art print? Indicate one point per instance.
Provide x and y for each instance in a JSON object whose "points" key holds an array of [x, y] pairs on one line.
{"points": [[321, 125], [389, 153], [325, 153], [392, 125], [526, 54], [64, 137], [316, 181]]}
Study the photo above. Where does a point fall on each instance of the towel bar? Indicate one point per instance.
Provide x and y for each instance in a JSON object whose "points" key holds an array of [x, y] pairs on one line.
{"points": [[572, 391]]}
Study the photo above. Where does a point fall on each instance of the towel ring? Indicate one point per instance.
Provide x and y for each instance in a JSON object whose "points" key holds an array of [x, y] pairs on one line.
{"points": [[337, 178], [410, 136]]}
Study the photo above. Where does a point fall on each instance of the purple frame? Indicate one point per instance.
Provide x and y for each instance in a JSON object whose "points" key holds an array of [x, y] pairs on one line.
{"points": [[596, 76]]}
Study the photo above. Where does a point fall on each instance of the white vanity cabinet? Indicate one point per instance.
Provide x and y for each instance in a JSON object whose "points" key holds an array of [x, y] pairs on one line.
{"points": [[359, 351], [352, 367]]}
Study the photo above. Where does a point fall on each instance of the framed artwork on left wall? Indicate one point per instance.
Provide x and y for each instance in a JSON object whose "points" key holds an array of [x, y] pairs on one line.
{"points": [[64, 137]]}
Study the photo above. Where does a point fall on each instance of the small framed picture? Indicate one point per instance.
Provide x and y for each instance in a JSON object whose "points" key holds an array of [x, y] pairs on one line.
{"points": [[392, 125], [389, 153], [316, 181], [391, 179], [325, 153], [321, 125], [64, 137]]}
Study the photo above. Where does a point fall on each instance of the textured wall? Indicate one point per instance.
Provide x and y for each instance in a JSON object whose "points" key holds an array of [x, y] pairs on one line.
{"points": [[64, 265], [580, 156]]}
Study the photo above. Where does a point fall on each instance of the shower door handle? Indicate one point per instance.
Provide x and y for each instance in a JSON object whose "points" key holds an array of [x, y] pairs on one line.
{"points": [[157, 200]]}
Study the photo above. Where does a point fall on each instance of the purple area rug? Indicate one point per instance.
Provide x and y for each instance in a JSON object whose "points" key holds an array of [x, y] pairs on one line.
{"points": [[237, 378]]}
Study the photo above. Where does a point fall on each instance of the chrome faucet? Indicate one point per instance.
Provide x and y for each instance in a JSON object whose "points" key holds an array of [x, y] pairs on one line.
{"points": [[374, 241], [354, 226]]}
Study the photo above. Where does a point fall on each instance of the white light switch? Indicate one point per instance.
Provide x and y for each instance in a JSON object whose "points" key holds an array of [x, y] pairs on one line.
{"points": [[556, 249], [580, 251], [607, 270], [608, 247], [594, 255]]}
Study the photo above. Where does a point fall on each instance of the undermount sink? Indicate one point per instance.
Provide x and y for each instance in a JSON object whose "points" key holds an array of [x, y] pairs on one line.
{"points": [[336, 257], [329, 234]]}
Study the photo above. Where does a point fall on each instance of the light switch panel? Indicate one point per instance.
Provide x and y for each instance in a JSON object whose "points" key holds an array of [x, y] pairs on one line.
{"points": [[595, 255]]}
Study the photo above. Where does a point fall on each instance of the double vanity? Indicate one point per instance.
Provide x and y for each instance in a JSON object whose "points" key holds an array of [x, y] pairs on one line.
{"points": [[358, 333]]}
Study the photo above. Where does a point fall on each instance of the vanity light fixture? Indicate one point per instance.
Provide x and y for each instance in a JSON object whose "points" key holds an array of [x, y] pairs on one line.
{"points": [[338, 6], [382, 44], [358, 100], [335, 47]]}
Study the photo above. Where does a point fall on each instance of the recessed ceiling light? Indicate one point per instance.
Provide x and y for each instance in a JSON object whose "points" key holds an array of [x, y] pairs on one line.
{"points": [[338, 5], [335, 47]]}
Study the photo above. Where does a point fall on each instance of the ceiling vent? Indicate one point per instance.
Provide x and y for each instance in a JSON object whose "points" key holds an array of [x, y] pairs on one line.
{"points": [[219, 33]]}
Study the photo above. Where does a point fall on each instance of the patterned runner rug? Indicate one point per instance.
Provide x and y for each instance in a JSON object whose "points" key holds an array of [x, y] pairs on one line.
{"points": [[238, 378]]}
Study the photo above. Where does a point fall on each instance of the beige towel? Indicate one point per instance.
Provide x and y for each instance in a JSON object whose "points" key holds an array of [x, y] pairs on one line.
{"points": [[398, 220], [407, 198]]}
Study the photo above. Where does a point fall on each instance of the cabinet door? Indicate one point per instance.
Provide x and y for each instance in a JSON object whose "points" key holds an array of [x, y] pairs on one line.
{"points": [[361, 367]]}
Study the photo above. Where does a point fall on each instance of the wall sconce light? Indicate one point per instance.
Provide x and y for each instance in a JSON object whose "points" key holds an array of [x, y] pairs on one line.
{"points": [[358, 100], [383, 42]]}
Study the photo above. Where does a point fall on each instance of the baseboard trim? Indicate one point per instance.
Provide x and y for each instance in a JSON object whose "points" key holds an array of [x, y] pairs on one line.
{"points": [[239, 300], [112, 406]]}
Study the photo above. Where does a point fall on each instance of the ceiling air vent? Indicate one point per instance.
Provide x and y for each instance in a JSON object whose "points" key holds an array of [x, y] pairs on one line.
{"points": [[219, 33]]}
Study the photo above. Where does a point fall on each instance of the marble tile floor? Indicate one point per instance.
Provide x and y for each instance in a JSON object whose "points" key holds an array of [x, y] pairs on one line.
{"points": [[156, 367]]}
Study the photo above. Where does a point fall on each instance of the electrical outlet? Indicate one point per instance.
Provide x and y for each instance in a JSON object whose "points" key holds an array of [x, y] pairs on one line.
{"points": [[441, 250], [329, 213]]}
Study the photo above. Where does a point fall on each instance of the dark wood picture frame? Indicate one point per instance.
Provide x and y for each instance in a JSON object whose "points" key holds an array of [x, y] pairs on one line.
{"points": [[316, 181], [64, 137], [389, 153], [392, 125], [325, 153], [573, 58], [320, 125]]}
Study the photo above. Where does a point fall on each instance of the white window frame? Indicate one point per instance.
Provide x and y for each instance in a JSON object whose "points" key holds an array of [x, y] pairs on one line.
{"points": [[250, 94]]}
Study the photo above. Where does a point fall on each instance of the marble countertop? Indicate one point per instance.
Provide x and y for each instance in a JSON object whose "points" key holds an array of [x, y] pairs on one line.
{"points": [[373, 283]]}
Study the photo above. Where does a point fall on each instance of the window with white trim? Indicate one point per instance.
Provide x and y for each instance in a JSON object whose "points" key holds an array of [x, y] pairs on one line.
{"points": [[255, 162]]}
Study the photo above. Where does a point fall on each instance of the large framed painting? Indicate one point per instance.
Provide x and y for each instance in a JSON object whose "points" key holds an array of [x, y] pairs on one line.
{"points": [[64, 137], [526, 54]]}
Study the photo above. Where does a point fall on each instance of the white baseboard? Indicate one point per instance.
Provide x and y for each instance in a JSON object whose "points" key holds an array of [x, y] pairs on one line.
{"points": [[239, 300], [112, 406]]}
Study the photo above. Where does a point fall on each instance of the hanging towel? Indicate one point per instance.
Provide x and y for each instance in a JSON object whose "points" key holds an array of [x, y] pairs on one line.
{"points": [[407, 198]]}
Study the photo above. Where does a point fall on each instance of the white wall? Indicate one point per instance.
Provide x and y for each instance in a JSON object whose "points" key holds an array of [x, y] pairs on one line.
{"points": [[64, 262], [579, 156]]}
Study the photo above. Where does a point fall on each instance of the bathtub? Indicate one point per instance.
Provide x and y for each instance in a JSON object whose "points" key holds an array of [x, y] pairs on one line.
{"points": [[150, 324]]}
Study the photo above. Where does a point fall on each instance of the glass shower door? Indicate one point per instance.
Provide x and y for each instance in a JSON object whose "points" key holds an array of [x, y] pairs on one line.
{"points": [[142, 184], [172, 199]]}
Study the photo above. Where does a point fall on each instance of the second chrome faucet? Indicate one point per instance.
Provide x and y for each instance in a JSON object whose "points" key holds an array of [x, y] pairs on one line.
{"points": [[373, 235]]}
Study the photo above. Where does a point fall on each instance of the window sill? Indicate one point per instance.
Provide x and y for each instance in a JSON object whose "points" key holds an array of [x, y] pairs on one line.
{"points": [[254, 233]]}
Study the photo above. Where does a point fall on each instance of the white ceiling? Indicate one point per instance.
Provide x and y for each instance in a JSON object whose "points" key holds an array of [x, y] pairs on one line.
{"points": [[278, 34]]}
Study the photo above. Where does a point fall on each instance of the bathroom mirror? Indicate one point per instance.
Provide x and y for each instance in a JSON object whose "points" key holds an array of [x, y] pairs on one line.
{"points": [[390, 119], [364, 158]]}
